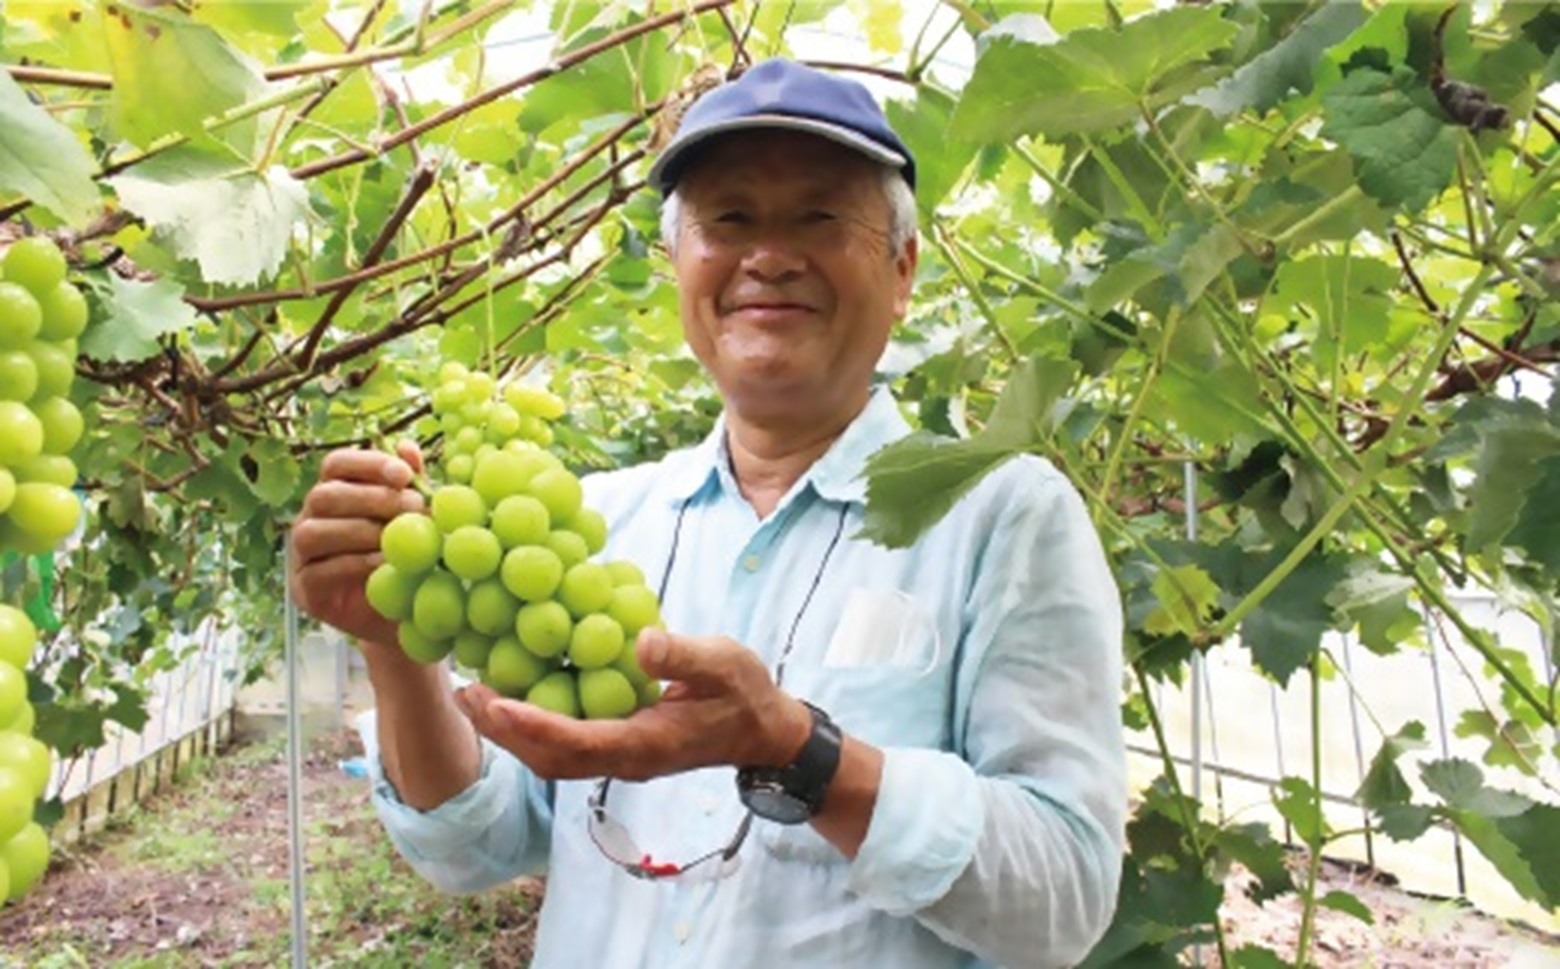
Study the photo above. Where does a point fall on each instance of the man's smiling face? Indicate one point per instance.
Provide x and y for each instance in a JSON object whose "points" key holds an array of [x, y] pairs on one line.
{"points": [[788, 283]]}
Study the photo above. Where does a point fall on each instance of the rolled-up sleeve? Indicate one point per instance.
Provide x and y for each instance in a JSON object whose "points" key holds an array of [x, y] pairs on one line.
{"points": [[1010, 847], [494, 831]]}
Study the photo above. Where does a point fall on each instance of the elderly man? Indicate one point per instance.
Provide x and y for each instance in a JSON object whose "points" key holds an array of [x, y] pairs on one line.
{"points": [[864, 757]]}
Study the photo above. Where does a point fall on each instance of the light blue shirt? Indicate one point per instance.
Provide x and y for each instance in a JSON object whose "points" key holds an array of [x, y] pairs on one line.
{"points": [[985, 662]]}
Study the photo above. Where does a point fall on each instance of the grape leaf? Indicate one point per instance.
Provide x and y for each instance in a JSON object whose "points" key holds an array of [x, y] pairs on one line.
{"points": [[1288, 65], [171, 75], [1301, 806], [1384, 783], [940, 158], [1460, 784], [1391, 125], [277, 473], [1187, 598], [1523, 849], [1255, 848], [1507, 466], [234, 222], [912, 483], [40, 159], [1511, 744], [1091, 79], [1349, 904], [132, 316], [1537, 527], [1376, 600], [1285, 631]]}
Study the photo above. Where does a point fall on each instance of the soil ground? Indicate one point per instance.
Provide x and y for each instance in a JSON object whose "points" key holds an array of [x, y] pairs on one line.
{"points": [[198, 877]]}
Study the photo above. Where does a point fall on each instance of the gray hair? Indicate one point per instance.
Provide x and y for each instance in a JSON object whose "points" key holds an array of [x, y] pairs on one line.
{"points": [[901, 212]]}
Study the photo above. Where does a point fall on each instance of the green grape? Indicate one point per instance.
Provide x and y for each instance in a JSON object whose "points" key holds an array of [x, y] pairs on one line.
{"points": [[35, 262], [25, 857], [28, 757], [50, 468], [457, 468], [472, 552], [439, 607], [559, 490], [627, 663], [531, 572], [452, 370], [569, 547], [595, 642], [62, 425], [476, 415], [13, 692], [624, 572], [56, 368], [520, 520], [534, 401], [16, 803], [20, 316], [21, 433], [649, 693], [503, 423], [490, 609], [64, 313], [480, 388], [47, 511], [512, 669], [500, 475], [450, 424], [466, 442], [482, 453], [422, 648], [25, 721], [411, 543], [456, 506], [18, 638], [447, 399], [7, 489], [535, 430], [590, 526], [390, 592], [18, 375], [586, 588], [471, 649], [556, 692], [606, 694], [634, 607], [544, 628]]}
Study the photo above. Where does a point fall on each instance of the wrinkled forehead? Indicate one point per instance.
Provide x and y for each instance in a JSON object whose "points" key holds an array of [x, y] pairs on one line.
{"points": [[775, 160]]}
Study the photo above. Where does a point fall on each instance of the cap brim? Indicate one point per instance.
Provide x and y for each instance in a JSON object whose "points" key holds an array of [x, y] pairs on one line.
{"points": [[676, 154]]}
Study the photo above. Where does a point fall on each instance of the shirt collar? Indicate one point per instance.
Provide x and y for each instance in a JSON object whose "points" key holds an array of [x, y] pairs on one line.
{"points": [[836, 476]]}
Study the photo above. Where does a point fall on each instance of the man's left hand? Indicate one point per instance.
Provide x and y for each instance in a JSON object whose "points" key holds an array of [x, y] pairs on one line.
{"points": [[720, 706]]}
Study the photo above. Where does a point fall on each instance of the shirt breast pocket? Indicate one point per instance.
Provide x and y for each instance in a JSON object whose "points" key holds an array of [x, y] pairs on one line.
{"points": [[884, 676]]}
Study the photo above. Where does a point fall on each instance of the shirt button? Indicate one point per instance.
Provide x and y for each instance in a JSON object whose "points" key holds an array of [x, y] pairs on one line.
{"points": [[751, 563], [683, 931]]}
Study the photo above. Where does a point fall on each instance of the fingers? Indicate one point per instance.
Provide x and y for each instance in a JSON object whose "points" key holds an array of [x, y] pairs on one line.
{"points": [[346, 499], [316, 539], [408, 451], [707, 660], [334, 571], [371, 467]]}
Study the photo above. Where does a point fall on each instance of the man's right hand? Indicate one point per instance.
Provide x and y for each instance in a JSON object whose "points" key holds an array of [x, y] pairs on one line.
{"points": [[335, 539]]}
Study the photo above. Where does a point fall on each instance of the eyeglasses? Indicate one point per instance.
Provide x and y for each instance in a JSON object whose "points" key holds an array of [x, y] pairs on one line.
{"points": [[619, 847], [612, 838]]}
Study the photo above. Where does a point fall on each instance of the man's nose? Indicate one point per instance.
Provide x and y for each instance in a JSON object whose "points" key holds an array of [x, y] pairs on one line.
{"points": [[773, 257]]}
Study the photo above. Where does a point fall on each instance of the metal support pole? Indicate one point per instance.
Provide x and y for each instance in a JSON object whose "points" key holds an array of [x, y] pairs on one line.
{"points": [[1446, 743], [294, 778], [1359, 745], [1189, 472]]}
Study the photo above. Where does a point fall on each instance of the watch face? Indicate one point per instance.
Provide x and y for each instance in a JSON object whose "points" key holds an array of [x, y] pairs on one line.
{"points": [[773, 803]]}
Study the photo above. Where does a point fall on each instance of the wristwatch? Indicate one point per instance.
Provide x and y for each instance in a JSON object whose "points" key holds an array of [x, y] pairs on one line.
{"points": [[794, 793]]}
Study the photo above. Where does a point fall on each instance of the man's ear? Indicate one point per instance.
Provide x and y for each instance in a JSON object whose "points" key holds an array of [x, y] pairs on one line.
{"points": [[904, 275]]}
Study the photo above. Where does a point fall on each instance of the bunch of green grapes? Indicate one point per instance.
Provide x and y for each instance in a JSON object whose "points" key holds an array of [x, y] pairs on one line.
{"points": [[499, 571], [41, 315], [25, 763]]}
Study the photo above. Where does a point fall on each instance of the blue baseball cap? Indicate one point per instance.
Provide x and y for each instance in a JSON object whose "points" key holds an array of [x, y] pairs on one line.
{"points": [[783, 94]]}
